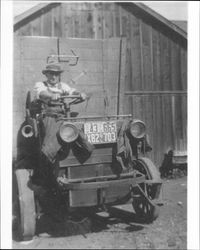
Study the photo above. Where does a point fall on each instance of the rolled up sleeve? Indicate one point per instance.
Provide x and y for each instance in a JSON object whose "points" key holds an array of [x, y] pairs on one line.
{"points": [[38, 88], [68, 90]]}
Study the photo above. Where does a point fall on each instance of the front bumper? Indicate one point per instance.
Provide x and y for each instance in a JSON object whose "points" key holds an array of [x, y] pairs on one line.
{"points": [[100, 190]]}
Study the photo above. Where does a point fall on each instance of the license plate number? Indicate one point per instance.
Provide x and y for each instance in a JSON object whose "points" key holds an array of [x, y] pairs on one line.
{"points": [[101, 132]]}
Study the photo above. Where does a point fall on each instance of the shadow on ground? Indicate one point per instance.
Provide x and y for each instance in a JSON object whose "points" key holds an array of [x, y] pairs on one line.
{"points": [[86, 222]]}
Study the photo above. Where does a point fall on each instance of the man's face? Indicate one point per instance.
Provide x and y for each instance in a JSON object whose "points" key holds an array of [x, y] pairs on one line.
{"points": [[53, 77]]}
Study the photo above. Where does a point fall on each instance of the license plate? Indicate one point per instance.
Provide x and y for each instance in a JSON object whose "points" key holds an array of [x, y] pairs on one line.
{"points": [[101, 132]]}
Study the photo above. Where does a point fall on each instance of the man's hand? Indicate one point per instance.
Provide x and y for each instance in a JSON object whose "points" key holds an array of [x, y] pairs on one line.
{"points": [[84, 96]]}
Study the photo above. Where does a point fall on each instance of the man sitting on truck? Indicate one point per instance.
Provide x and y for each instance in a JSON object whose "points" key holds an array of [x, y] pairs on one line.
{"points": [[53, 88], [49, 92]]}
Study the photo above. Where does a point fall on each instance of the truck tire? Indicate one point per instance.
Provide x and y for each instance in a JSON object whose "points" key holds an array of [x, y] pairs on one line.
{"points": [[147, 211], [26, 204], [151, 170]]}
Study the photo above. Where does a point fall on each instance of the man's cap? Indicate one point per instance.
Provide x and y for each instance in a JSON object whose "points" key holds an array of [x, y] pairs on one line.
{"points": [[53, 67]]}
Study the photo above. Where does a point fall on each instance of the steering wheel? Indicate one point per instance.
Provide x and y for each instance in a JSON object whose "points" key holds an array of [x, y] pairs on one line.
{"points": [[67, 99], [71, 99]]}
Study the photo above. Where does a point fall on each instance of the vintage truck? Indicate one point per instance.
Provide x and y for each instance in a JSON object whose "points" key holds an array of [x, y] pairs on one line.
{"points": [[101, 163]]}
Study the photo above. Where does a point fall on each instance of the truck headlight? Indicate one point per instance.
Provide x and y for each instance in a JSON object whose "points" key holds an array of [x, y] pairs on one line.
{"points": [[137, 129], [68, 132]]}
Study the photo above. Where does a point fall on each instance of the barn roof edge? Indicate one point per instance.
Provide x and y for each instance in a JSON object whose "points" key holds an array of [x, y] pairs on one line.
{"points": [[35, 9], [20, 18], [169, 24]]}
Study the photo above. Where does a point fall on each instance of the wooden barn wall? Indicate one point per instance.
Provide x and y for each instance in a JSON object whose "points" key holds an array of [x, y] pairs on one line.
{"points": [[156, 65], [99, 59], [156, 86]]}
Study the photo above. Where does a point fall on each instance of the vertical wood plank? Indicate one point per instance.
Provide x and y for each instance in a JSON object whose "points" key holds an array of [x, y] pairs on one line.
{"points": [[124, 23], [35, 26], [107, 20], [112, 61], [151, 57], [73, 23], [61, 21], [99, 33], [47, 24], [158, 125], [128, 82], [135, 54], [156, 60], [68, 28], [104, 25], [147, 110], [129, 105], [155, 129], [98, 21], [184, 121], [174, 121], [114, 22], [141, 55], [88, 20], [137, 107], [122, 74], [175, 66], [151, 121], [42, 25], [77, 24], [117, 20], [95, 23], [165, 63], [57, 21], [168, 120], [31, 29], [52, 21], [164, 133], [169, 65], [179, 124], [146, 56], [183, 61], [161, 84], [162, 127], [120, 21]]}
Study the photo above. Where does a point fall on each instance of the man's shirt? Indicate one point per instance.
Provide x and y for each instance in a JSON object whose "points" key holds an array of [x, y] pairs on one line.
{"points": [[59, 88]]}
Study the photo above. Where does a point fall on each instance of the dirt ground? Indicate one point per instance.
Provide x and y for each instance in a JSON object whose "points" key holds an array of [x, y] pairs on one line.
{"points": [[120, 230]]}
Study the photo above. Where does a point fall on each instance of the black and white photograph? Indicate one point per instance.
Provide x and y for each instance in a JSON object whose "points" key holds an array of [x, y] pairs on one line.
{"points": [[99, 120]]}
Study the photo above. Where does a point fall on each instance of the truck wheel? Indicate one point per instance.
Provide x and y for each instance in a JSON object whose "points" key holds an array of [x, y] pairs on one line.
{"points": [[146, 210], [26, 216]]}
